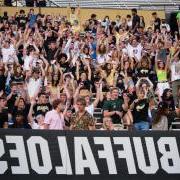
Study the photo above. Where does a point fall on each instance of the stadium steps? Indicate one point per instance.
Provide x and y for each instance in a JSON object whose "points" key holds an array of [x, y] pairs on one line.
{"points": [[175, 125], [124, 4], [98, 115], [170, 5]]}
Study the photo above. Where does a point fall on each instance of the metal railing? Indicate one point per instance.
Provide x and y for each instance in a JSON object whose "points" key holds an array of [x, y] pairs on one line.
{"points": [[116, 4]]}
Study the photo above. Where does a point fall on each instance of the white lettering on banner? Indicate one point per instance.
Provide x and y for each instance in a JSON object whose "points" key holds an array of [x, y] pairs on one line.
{"points": [[82, 144], [160, 158], [18, 153], [126, 153], [66, 163], [45, 154], [107, 153], [172, 154], [153, 167], [3, 164]]}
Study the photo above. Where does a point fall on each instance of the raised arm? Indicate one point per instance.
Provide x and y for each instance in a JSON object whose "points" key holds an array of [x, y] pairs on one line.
{"points": [[67, 91], [89, 71], [98, 92], [156, 60], [30, 116], [76, 94], [77, 70], [167, 63], [35, 47]]}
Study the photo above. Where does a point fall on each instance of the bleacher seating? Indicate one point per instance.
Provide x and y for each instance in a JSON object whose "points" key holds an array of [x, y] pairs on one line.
{"points": [[169, 5], [176, 124], [116, 4]]}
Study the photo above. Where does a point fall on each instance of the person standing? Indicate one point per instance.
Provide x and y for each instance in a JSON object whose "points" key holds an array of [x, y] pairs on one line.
{"points": [[82, 119], [175, 77], [162, 74], [34, 81], [135, 20], [3, 113], [22, 19], [139, 109], [73, 14], [157, 22], [54, 119], [113, 108], [160, 121]]}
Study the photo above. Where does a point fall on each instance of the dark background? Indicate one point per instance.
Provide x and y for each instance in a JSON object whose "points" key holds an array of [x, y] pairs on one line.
{"points": [[121, 164]]}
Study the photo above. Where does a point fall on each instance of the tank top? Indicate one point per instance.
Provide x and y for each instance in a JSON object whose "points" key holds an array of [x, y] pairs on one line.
{"points": [[161, 75]]}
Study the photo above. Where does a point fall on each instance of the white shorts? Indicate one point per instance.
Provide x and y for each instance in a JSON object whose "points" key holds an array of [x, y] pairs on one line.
{"points": [[162, 86]]}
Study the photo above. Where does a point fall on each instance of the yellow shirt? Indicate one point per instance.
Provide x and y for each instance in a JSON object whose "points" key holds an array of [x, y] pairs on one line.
{"points": [[76, 29], [120, 37], [73, 17], [110, 78]]}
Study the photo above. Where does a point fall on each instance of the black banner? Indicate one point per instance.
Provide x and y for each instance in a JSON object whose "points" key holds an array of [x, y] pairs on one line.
{"points": [[85, 155]]}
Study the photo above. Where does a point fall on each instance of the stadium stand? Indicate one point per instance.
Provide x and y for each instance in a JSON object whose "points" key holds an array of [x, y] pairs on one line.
{"points": [[86, 65]]}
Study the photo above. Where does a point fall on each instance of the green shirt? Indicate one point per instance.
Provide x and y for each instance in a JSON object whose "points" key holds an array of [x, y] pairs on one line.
{"points": [[161, 75], [114, 105], [178, 16]]}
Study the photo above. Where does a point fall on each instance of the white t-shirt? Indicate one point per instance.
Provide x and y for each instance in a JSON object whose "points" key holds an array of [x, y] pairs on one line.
{"points": [[175, 71], [28, 60], [7, 53], [35, 125], [101, 58], [118, 23], [135, 51], [55, 120], [33, 86], [129, 23], [167, 27], [90, 109]]}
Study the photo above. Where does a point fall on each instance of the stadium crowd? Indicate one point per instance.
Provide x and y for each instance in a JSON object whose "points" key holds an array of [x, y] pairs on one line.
{"points": [[55, 71]]}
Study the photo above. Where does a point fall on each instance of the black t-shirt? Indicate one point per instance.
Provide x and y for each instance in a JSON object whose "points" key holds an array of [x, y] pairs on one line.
{"points": [[157, 24], [65, 67], [17, 78], [22, 20], [11, 102], [140, 111], [3, 82], [50, 54], [143, 72], [86, 83], [41, 108], [24, 111], [136, 19], [114, 105], [170, 102], [3, 118]]}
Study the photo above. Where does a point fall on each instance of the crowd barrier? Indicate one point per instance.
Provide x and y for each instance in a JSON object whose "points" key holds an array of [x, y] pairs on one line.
{"points": [[54, 155]]}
